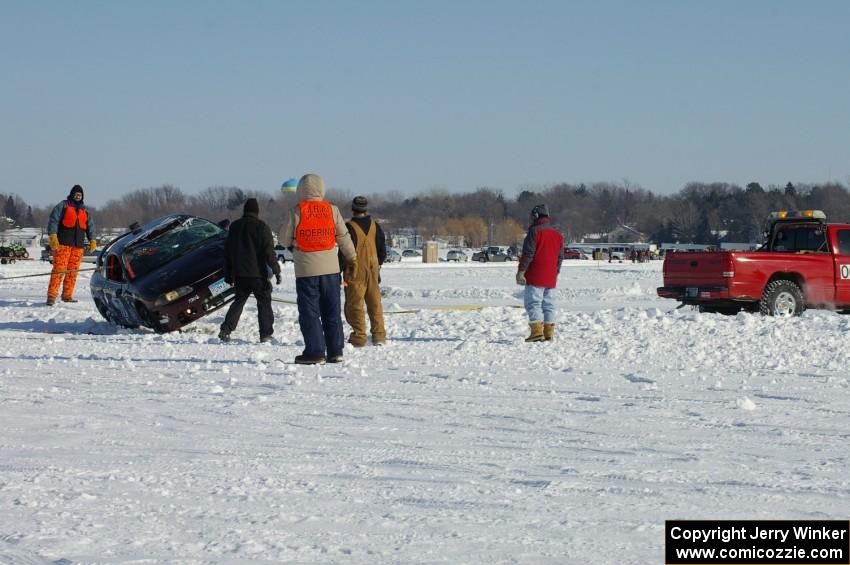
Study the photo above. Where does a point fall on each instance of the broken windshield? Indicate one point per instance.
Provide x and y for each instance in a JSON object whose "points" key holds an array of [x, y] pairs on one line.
{"points": [[169, 244]]}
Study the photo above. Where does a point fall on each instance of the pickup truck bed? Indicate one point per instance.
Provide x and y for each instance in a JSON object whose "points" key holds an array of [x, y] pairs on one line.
{"points": [[816, 273]]}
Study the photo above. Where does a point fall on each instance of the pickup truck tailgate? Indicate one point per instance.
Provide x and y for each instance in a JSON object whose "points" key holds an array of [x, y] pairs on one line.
{"points": [[697, 269]]}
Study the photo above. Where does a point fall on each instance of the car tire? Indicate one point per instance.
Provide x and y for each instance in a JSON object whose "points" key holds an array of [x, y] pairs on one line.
{"points": [[104, 311], [783, 299], [482, 260]]}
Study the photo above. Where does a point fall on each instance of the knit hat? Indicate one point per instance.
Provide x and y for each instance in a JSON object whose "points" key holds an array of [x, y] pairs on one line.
{"points": [[75, 189], [539, 211], [251, 205], [359, 204]]}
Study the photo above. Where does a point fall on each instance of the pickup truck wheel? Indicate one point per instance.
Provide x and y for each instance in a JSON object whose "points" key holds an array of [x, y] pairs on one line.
{"points": [[783, 299]]}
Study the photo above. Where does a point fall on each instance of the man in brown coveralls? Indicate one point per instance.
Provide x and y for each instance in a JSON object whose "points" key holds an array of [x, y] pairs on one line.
{"points": [[362, 282]]}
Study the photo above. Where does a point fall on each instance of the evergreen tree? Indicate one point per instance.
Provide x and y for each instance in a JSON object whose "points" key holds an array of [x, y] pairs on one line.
{"points": [[10, 210]]}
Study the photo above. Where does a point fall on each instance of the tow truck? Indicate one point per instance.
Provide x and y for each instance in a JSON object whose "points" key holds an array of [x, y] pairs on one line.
{"points": [[804, 262]]}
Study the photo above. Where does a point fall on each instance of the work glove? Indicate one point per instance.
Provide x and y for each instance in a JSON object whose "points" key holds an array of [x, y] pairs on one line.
{"points": [[520, 278], [278, 278], [54, 242], [92, 245]]}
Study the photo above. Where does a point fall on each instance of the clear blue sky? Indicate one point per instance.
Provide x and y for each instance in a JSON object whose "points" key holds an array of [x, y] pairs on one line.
{"points": [[409, 95]]}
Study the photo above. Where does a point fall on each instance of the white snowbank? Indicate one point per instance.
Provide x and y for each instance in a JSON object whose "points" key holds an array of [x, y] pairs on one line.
{"points": [[457, 442]]}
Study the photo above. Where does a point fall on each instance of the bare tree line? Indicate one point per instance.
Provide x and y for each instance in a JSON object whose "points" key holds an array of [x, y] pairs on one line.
{"points": [[698, 213]]}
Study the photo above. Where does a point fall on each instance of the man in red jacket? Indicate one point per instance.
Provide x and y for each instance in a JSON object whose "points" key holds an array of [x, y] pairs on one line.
{"points": [[539, 267]]}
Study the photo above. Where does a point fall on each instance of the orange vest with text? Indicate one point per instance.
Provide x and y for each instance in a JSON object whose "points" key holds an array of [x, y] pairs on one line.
{"points": [[316, 230]]}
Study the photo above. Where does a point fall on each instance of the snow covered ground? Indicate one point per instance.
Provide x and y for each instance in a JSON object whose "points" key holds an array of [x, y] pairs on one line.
{"points": [[455, 443]]}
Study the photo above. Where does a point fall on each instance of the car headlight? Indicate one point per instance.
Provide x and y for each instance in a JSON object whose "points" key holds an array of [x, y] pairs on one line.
{"points": [[173, 295]]}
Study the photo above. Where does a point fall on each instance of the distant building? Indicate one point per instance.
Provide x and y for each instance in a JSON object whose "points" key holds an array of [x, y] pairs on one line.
{"points": [[685, 247], [594, 238], [405, 238], [28, 237], [626, 234], [732, 246], [452, 241]]}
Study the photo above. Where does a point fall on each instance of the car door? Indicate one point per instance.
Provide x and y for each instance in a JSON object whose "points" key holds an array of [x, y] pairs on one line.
{"points": [[814, 260], [841, 245]]}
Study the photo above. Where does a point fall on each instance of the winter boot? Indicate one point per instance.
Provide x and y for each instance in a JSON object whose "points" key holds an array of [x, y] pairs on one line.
{"points": [[357, 341], [51, 300], [548, 331], [536, 332], [302, 360]]}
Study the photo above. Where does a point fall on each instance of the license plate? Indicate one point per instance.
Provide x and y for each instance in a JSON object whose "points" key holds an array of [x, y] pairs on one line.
{"points": [[218, 287], [691, 291]]}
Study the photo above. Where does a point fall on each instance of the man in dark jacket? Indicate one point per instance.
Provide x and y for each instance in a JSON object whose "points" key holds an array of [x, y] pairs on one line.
{"points": [[248, 256], [362, 282], [539, 267]]}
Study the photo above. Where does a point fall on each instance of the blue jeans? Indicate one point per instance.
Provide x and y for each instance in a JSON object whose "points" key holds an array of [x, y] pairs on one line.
{"points": [[319, 315], [538, 304]]}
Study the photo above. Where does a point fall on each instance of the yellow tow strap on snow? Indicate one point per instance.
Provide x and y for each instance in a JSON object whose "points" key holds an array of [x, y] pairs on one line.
{"points": [[48, 274], [417, 310]]}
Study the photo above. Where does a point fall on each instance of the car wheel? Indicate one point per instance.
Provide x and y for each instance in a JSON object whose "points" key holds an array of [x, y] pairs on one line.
{"points": [[782, 299], [104, 311], [482, 260]]}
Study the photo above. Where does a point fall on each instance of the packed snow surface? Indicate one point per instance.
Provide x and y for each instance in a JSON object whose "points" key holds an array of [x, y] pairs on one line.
{"points": [[455, 443]]}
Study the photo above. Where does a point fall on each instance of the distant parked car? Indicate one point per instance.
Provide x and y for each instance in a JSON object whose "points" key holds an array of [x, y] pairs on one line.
{"points": [[284, 255], [411, 253], [570, 253], [457, 256], [393, 256], [494, 253], [163, 275]]}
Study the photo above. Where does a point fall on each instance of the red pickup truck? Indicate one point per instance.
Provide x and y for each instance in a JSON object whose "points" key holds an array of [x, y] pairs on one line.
{"points": [[804, 262]]}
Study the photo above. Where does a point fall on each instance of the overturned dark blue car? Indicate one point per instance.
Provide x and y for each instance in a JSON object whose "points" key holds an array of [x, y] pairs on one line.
{"points": [[163, 275]]}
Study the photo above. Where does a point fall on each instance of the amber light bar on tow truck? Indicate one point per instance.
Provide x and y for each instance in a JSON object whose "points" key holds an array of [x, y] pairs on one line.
{"points": [[797, 214]]}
